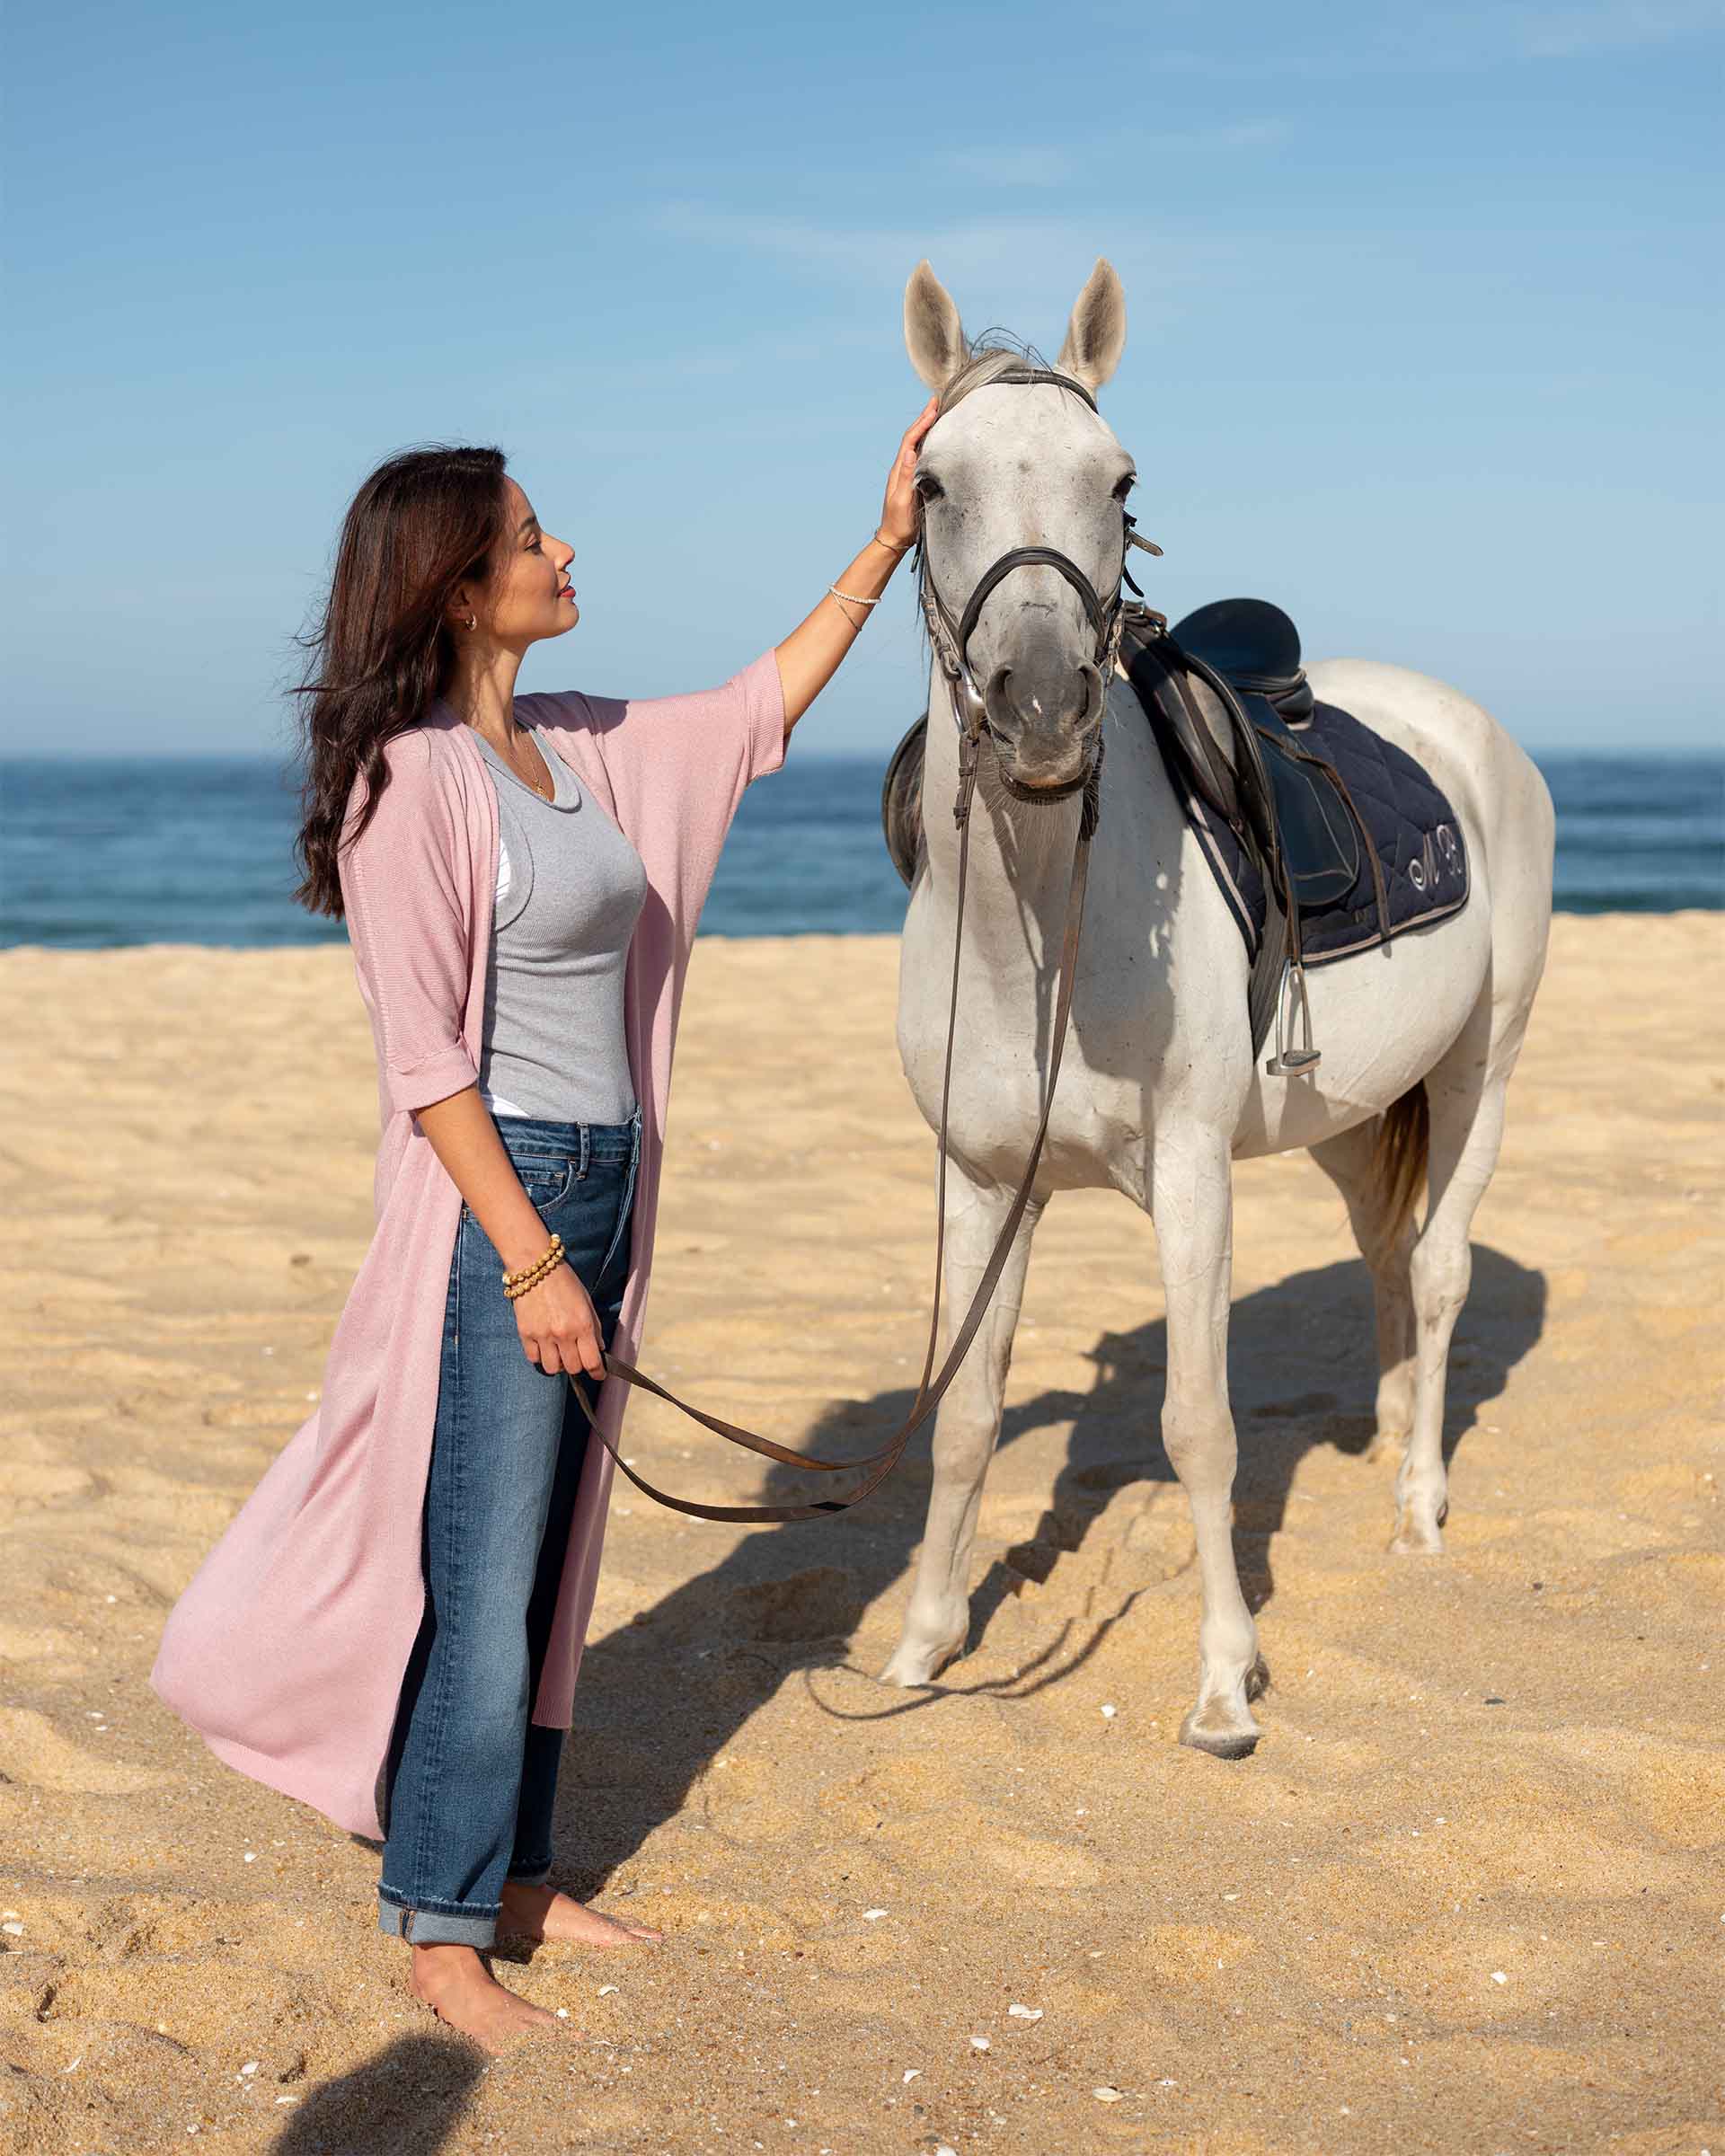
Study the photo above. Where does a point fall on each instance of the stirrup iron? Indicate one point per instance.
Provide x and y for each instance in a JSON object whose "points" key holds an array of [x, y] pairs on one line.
{"points": [[1289, 1061]]}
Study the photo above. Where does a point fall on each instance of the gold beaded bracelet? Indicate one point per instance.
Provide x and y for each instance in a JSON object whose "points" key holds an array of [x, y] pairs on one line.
{"points": [[525, 1286], [527, 1277], [521, 1271], [531, 1275]]}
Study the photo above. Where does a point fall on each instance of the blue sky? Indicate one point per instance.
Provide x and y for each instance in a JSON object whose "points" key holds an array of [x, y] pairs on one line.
{"points": [[1423, 326]]}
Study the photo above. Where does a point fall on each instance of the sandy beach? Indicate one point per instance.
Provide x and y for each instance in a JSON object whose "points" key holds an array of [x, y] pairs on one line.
{"points": [[1466, 1896]]}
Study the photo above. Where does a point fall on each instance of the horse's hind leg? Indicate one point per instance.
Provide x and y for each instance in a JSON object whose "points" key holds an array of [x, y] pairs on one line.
{"points": [[1464, 1091], [966, 1426], [1466, 1095], [1384, 1229]]}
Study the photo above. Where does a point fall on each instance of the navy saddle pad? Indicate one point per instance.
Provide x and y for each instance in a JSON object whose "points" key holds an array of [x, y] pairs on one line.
{"points": [[1407, 820]]}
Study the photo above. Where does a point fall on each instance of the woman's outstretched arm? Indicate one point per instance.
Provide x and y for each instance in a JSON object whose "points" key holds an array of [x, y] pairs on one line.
{"points": [[809, 656]]}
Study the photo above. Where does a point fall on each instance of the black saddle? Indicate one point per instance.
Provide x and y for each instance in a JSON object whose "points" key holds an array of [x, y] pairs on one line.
{"points": [[1255, 646], [1286, 808]]}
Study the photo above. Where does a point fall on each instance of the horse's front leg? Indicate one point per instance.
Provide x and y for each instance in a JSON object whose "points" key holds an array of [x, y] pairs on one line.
{"points": [[965, 1427], [1191, 1204]]}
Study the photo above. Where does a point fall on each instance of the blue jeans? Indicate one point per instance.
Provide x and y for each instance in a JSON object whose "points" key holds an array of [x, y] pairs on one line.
{"points": [[471, 1781]]}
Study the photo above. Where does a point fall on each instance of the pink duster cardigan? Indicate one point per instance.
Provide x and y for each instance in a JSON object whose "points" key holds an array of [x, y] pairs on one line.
{"points": [[288, 1649]]}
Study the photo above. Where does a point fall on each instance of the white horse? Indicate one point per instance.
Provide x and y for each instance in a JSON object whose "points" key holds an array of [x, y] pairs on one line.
{"points": [[1160, 1092]]}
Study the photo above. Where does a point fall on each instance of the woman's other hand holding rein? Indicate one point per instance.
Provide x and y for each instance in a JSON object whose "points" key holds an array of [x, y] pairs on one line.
{"points": [[559, 1327]]}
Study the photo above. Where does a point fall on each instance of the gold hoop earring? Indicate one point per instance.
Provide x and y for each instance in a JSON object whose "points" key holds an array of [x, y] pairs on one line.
{"points": [[471, 624]]}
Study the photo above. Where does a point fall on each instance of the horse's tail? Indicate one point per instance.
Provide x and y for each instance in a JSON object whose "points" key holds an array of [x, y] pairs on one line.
{"points": [[1400, 1155]]}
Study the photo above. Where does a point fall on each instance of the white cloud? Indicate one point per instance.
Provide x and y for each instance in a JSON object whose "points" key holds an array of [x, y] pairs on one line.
{"points": [[1574, 32], [1018, 167], [976, 246], [1461, 39], [1031, 166], [1021, 271]]}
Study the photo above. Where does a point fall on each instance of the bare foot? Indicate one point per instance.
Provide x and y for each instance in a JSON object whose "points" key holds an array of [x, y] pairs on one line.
{"points": [[458, 1988], [541, 1913]]}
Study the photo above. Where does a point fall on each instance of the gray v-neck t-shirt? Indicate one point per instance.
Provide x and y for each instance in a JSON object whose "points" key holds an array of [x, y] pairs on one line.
{"points": [[570, 889]]}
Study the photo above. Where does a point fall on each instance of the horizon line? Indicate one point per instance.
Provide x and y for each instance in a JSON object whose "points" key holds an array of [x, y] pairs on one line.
{"points": [[1701, 751]]}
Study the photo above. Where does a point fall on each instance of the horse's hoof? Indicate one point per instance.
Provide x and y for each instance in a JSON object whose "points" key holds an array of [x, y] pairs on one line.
{"points": [[913, 1667], [1414, 1538], [1210, 1729]]}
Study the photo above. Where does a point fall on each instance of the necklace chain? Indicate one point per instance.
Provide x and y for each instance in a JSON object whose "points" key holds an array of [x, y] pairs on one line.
{"points": [[508, 755], [544, 796]]}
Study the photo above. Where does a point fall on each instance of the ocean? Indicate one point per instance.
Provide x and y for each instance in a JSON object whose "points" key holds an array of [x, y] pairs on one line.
{"points": [[99, 852]]}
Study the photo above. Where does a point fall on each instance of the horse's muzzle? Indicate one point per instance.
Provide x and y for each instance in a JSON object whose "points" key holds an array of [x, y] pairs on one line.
{"points": [[1047, 744]]}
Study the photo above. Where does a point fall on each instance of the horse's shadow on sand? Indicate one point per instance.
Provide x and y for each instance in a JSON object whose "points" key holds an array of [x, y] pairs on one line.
{"points": [[661, 1697]]}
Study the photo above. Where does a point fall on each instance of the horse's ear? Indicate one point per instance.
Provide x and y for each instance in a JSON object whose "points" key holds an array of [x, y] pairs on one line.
{"points": [[1096, 334], [934, 334]]}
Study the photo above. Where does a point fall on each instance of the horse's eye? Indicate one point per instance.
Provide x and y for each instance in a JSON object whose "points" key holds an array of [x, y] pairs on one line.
{"points": [[1124, 486], [929, 487]]}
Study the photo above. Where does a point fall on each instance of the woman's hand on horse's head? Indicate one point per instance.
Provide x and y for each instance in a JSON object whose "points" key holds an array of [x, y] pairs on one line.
{"points": [[899, 518]]}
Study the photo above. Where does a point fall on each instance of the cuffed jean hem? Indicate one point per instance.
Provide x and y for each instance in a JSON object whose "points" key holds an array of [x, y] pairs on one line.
{"points": [[436, 1927]]}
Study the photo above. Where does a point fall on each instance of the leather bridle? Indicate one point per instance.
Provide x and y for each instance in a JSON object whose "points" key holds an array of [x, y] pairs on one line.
{"points": [[951, 638], [952, 642]]}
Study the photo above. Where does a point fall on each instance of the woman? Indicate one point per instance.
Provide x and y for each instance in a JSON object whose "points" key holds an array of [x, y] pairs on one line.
{"points": [[391, 1626]]}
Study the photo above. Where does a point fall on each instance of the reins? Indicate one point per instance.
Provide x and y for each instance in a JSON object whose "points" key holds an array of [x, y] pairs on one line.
{"points": [[970, 716], [879, 1464]]}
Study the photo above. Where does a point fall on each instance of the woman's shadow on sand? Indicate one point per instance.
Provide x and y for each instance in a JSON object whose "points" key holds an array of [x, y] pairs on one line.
{"points": [[408, 2099], [662, 1696]]}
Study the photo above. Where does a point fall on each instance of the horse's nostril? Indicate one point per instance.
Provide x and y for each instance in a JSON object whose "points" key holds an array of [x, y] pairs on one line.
{"points": [[1042, 704]]}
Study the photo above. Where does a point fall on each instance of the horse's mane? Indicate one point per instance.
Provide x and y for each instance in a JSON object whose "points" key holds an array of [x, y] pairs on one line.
{"points": [[994, 352]]}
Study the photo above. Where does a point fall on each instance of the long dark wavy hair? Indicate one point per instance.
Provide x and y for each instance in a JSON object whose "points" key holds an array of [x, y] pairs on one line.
{"points": [[381, 650]]}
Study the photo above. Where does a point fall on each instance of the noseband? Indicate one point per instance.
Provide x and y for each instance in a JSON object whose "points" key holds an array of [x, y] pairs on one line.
{"points": [[951, 639]]}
